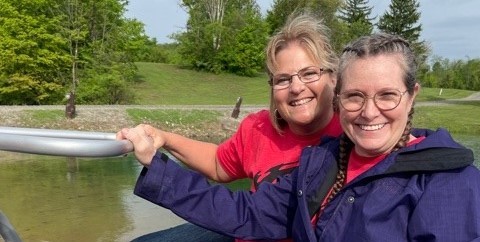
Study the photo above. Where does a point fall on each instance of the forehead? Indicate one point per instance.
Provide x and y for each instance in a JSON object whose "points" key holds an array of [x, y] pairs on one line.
{"points": [[374, 72], [293, 58]]}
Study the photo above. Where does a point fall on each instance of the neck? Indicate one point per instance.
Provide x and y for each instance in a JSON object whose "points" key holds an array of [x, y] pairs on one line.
{"points": [[313, 127]]}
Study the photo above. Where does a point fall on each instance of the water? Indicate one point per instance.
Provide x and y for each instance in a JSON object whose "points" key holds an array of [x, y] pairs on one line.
{"points": [[50, 198], [65, 199]]}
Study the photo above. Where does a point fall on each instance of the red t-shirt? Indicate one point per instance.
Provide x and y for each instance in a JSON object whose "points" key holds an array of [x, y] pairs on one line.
{"points": [[259, 152]]}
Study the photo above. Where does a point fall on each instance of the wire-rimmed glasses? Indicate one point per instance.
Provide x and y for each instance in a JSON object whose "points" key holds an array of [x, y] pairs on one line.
{"points": [[385, 100], [305, 75]]}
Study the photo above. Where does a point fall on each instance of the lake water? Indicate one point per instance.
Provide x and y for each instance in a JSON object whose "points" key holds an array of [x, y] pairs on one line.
{"points": [[49, 198]]}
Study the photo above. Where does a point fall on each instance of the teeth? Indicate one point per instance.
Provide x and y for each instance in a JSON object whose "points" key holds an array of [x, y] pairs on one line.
{"points": [[300, 102], [371, 127]]}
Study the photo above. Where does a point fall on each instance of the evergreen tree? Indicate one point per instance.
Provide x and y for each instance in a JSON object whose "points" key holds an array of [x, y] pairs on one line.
{"points": [[402, 19], [355, 14]]}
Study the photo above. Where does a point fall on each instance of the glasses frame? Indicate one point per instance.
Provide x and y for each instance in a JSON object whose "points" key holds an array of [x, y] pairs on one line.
{"points": [[290, 79], [366, 97]]}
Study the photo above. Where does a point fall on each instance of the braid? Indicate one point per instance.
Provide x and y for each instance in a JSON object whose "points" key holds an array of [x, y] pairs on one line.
{"points": [[345, 148], [406, 133]]}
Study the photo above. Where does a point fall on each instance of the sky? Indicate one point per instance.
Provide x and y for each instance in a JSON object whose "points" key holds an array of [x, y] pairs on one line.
{"points": [[450, 27]]}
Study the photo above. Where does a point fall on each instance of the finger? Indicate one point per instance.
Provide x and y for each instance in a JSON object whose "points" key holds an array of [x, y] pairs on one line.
{"points": [[121, 134]]}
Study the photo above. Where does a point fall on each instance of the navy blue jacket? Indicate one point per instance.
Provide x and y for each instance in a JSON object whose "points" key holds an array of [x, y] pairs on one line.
{"points": [[429, 191]]}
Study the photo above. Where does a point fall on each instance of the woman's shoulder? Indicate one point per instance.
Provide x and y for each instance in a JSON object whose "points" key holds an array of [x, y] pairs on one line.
{"points": [[261, 117]]}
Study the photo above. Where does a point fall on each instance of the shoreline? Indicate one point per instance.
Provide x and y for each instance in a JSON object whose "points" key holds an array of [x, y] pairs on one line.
{"points": [[112, 118]]}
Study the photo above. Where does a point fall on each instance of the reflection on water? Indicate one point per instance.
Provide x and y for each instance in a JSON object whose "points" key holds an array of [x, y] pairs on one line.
{"points": [[52, 199], [67, 199]]}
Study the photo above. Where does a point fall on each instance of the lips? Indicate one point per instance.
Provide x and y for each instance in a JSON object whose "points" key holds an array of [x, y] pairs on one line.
{"points": [[300, 102], [371, 127]]}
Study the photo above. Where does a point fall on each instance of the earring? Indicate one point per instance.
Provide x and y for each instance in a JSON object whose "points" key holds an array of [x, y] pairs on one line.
{"points": [[277, 115]]}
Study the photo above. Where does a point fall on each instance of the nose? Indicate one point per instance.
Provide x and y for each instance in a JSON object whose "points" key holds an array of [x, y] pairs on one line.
{"points": [[297, 85], [370, 109]]}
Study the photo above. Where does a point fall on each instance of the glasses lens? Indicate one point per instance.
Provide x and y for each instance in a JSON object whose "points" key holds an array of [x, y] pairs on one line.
{"points": [[281, 81], [352, 101], [309, 74], [306, 75], [384, 100], [388, 99]]}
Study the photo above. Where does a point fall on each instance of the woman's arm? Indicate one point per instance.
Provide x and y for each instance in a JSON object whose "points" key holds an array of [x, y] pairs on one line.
{"points": [[260, 215], [198, 155]]}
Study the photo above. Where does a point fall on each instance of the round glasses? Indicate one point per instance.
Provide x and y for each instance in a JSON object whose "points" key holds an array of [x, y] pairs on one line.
{"points": [[385, 100], [305, 75]]}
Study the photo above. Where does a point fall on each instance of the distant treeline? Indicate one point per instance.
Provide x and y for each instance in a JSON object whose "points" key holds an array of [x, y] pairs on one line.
{"points": [[52, 47]]}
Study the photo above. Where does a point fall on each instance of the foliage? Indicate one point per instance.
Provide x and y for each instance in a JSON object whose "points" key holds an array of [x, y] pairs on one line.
{"points": [[323, 9], [50, 47], [402, 19], [31, 53], [220, 38], [458, 74], [355, 14]]}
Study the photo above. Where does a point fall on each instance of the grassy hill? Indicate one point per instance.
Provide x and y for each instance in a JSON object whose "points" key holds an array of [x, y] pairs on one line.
{"points": [[162, 84]]}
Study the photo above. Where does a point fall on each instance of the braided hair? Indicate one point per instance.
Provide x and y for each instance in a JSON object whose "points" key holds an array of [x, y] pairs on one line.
{"points": [[373, 45]]}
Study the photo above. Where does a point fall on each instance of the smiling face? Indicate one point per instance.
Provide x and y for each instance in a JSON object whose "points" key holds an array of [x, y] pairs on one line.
{"points": [[373, 131], [306, 108]]}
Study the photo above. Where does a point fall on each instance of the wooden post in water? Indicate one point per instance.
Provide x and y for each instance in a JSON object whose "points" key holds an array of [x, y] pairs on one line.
{"points": [[236, 109]]}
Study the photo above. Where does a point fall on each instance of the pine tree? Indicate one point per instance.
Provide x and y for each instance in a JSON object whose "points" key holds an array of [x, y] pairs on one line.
{"points": [[356, 16], [402, 19]]}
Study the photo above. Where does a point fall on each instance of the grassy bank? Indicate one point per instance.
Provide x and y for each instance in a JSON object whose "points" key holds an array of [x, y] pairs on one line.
{"points": [[161, 84]]}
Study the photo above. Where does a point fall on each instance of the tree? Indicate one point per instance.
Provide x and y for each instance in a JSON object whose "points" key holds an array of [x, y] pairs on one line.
{"points": [[355, 15], [217, 35], [51, 47], [102, 47], [281, 9], [402, 19], [32, 57], [323, 9]]}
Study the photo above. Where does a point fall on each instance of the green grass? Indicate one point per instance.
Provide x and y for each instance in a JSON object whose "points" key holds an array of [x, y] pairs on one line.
{"points": [[171, 117], [463, 118], [433, 94], [162, 84]]}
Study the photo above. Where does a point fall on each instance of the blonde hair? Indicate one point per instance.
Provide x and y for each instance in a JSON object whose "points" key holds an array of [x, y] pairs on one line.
{"points": [[312, 35]]}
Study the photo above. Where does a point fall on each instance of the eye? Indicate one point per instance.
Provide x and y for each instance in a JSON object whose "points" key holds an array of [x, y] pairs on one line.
{"points": [[281, 80], [357, 97], [310, 73], [388, 95]]}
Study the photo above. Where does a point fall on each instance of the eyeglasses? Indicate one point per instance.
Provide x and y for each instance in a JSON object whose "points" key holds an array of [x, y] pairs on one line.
{"points": [[305, 75], [385, 100]]}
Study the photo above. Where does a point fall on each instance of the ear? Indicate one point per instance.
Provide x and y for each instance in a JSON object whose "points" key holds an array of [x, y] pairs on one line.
{"points": [[333, 79], [416, 90]]}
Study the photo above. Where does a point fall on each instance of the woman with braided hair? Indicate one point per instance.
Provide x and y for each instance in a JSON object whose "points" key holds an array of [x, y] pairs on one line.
{"points": [[382, 180]]}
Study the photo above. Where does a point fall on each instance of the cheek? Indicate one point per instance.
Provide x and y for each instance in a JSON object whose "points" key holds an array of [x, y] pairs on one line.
{"points": [[346, 119], [278, 97]]}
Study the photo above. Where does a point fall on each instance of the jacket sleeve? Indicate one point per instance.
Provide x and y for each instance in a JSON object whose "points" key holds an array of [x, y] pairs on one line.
{"points": [[449, 208], [265, 214]]}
